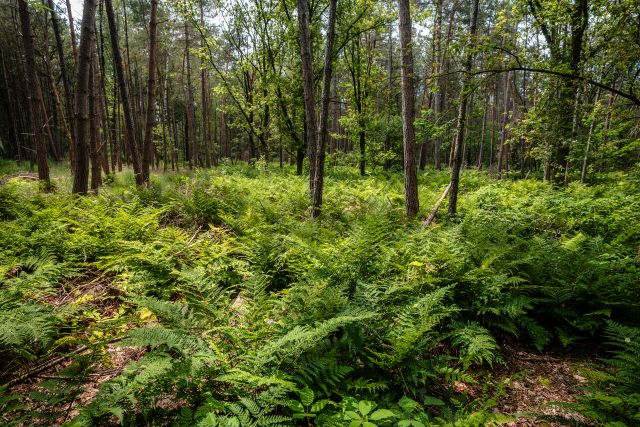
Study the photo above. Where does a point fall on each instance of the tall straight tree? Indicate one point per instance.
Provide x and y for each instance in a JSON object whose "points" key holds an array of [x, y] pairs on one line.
{"points": [[307, 85], [81, 167], [411, 202], [66, 83], [129, 128], [34, 92], [147, 147], [462, 110], [318, 179]]}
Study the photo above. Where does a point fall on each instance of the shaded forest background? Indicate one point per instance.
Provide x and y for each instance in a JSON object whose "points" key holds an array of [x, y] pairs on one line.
{"points": [[551, 86]]}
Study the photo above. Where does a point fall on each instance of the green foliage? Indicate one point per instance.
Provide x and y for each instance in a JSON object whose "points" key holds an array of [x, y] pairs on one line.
{"points": [[614, 398], [246, 312]]}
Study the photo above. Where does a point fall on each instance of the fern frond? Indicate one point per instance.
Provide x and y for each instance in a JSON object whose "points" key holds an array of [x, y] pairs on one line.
{"points": [[476, 344]]}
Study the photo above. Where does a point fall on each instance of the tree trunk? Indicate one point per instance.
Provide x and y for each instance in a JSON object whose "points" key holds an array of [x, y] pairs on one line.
{"points": [[190, 125], [34, 93], [81, 175], [94, 120], [462, 111], [583, 172], [387, 138], [307, 83], [147, 146], [318, 183], [129, 128], [483, 132], [66, 82], [408, 112], [72, 31], [505, 119]]}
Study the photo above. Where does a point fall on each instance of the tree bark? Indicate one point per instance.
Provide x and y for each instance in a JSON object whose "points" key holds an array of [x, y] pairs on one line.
{"points": [[66, 82], [34, 93], [318, 184], [307, 83], [147, 147], [408, 112], [462, 111], [583, 172], [81, 175], [72, 31], [190, 114], [129, 128], [94, 120]]}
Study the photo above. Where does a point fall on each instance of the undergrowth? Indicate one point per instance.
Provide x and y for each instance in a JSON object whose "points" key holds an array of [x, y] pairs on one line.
{"points": [[251, 314]]}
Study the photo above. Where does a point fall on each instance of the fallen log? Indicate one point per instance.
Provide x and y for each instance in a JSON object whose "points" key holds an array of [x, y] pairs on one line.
{"points": [[434, 211]]}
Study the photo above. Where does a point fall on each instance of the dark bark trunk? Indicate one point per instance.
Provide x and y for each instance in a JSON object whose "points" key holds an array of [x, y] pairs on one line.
{"points": [[66, 82], [462, 112], [408, 112], [318, 184], [34, 93], [147, 146], [190, 125], [505, 119], [94, 131], [81, 175], [72, 32], [307, 83], [129, 128]]}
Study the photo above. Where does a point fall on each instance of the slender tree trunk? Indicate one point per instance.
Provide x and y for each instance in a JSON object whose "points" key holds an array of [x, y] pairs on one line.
{"points": [[147, 147], [59, 109], [204, 86], [465, 93], [408, 112], [583, 172], [307, 83], [483, 133], [13, 128], [94, 131], [190, 125], [505, 119], [66, 82], [129, 128], [81, 175], [101, 95], [53, 146], [34, 92], [72, 32], [174, 150], [318, 183], [389, 100]]}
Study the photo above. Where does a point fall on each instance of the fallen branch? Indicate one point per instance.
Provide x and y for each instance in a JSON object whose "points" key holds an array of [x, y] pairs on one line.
{"points": [[434, 211], [49, 364]]}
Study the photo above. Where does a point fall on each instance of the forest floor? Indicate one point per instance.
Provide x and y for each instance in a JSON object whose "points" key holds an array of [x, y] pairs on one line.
{"points": [[535, 382], [178, 302]]}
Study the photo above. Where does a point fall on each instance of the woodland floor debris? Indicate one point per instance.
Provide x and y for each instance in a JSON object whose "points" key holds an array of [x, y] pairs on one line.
{"points": [[539, 381]]}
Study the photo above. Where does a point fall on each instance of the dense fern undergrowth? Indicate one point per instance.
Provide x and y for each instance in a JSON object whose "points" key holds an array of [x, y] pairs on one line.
{"points": [[246, 312]]}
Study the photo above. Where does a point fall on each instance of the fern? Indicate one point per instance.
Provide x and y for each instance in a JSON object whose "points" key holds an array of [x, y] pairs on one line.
{"points": [[321, 372], [476, 344], [615, 396], [303, 338], [409, 329], [249, 412]]}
